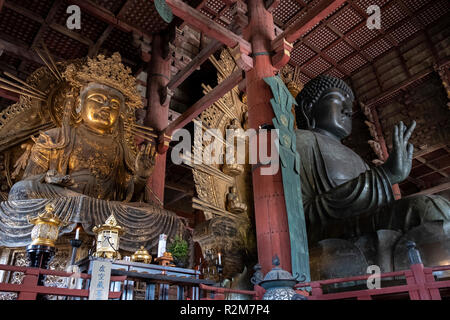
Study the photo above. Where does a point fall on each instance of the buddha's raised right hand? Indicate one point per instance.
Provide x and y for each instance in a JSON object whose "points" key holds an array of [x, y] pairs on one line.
{"points": [[398, 165], [53, 177]]}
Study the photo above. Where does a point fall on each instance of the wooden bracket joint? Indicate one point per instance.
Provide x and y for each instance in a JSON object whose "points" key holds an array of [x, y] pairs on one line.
{"points": [[282, 55], [163, 143], [165, 94], [239, 12], [244, 61]]}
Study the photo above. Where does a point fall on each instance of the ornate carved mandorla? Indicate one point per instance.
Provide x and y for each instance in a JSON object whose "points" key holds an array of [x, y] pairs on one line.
{"points": [[84, 161], [227, 229]]}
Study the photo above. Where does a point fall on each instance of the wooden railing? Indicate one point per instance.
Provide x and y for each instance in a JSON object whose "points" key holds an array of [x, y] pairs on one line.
{"points": [[29, 288], [420, 285], [218, 293]]}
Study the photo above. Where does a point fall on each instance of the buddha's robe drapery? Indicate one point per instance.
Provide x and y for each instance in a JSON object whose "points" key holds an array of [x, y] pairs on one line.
{"points": [[102, 183], [343, 197]]}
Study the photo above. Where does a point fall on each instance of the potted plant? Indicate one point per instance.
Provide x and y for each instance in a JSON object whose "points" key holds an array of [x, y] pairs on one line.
{"points": [[179, 250]]}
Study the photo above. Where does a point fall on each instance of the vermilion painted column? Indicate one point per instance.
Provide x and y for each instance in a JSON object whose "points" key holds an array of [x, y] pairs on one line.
{"points": [[157, 115], [270, 210]]}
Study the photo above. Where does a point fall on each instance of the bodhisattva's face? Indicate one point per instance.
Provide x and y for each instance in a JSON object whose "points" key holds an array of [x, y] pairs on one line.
{"points": [[101, 109], [333, 113]]}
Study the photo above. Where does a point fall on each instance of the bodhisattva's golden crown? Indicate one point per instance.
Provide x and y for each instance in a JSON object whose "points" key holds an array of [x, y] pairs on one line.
{"points": [[107, 71]]}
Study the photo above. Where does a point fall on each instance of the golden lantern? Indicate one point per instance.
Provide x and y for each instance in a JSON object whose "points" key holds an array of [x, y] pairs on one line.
{"points": [[46, 227], [108, 239], [141, 255]]}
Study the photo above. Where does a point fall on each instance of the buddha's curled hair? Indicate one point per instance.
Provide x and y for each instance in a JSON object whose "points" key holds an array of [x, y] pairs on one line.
{"points": [[310, 95]]}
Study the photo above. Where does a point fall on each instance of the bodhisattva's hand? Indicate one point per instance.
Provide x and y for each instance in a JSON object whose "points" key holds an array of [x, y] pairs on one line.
{"points": [[145, 160], [53, 177], [398, 165]]}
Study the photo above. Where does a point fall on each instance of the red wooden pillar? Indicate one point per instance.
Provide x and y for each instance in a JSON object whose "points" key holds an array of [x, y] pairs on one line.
{"points": [[270, 210], [157, 115], [382, 142]]}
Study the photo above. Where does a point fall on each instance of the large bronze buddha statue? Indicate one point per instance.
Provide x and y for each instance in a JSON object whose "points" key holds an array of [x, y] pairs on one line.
{"points": [[352, 218], [88, 167]]}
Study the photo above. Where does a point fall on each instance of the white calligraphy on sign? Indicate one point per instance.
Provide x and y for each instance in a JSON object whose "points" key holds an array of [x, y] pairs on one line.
{"points": [[100, 279]]}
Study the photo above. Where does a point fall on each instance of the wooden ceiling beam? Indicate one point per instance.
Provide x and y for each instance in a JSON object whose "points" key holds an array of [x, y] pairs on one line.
{"points": [[93, 50], [445, 17], [439, 188], [205, 102], [179, 187], [432, 167], [319, 53], [44, 26], [208, 26], [312, 17], [104, 15], [198, 7], [57, 27], [197, 61], [372, 102], [421, 153], [176, 199], [20, 51], [419, 183]]}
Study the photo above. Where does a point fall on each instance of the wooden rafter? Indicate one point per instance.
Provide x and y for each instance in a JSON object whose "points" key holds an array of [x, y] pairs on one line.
{"points": [[404, 84], [208, 26], [21, 51], [396, 25], [44, 26], [439, 188], [319, 53], [201, 57], [61, 29], [311, 18], [205, 102], [106, 16], [93, 50], [430, 149]]}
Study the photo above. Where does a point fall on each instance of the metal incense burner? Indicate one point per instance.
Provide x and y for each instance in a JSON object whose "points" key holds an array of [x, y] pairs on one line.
{"points": [[279, 283]]}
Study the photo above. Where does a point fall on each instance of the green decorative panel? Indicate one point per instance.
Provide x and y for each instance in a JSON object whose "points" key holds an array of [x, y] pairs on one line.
{"points": [[282, 102], [164, 10]]}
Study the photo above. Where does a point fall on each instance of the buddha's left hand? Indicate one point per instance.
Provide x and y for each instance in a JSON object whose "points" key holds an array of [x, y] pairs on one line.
{"points": [[145, 160]]}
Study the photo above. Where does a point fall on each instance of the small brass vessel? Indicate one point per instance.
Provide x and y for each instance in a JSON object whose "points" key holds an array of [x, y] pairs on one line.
{"points": [[166, 260], [141, 255]]}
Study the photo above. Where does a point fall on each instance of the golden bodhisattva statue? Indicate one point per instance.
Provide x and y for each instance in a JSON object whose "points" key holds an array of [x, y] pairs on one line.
{"points": [[88, 167]]}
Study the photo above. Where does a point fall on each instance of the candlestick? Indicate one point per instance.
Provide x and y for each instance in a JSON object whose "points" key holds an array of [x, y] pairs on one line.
{"points": [[77, 234], [220, 260]]}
